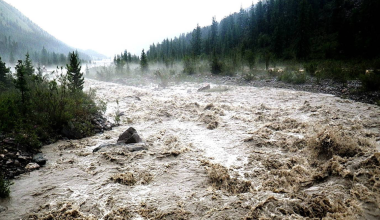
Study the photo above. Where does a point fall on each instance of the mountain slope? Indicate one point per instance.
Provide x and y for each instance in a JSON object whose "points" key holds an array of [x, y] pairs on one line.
{"points": [[18, 35]]}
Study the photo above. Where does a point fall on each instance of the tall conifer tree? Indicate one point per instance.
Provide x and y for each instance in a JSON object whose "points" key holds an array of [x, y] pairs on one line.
{"points": [[74, 74], [143, 61], [29, 69], [3, 72]]}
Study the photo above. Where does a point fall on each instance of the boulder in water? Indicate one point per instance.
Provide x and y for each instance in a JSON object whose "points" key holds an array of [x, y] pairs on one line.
{"points": [[32, 166], [129, 136], [39, 159], [204, 88], [3, 209]]}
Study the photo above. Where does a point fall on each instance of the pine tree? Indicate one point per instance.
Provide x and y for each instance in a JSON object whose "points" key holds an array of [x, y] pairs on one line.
{"points": [[125, 56], [197, 41], [129, 57], [303, 41], [214, 34], [20, 81], [29, 69], [75, 77], [143, 62], [216, 66], [3, 72], [44, 56]]}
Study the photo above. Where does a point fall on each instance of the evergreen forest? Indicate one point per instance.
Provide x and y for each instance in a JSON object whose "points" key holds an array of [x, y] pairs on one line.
{"points": [[299, 30]]}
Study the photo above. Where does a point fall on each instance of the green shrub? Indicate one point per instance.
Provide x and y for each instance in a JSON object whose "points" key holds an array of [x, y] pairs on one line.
{"points": [[338, 74], [311, 68], [293, 77], [371, 81], [216, 66], [274, 72], [48, 108], [203, 67], [334, 71], [9, 109], [105, 73], [188, 65], [228, 68], [4, 187], [318, 76], [300, 78], [286, 76], [249, 75], [292, 68]]}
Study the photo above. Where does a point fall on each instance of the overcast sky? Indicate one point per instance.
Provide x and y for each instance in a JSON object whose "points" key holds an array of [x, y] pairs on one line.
{"points": [[110, 26]]}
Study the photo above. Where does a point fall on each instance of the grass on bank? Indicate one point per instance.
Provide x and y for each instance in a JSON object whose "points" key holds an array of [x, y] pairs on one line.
{"points": [[4, 187], [292, 72]]}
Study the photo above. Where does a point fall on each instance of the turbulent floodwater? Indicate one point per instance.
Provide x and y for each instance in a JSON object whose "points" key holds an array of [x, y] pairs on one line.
{"points": [[242, 153]]}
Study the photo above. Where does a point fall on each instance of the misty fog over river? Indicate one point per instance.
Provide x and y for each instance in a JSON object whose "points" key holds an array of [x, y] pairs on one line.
{"points": [[241, 152]]}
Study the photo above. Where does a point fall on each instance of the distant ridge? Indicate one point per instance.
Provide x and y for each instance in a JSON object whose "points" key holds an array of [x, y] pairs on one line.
{"points": [[18, 35]]}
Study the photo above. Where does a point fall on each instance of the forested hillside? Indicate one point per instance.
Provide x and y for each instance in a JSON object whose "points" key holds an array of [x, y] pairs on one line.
{"points": [[19, 35], [283, 30]]}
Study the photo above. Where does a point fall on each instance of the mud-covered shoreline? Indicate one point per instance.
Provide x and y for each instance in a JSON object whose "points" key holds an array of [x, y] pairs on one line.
{"points": [[351, 90], [236, 153]]}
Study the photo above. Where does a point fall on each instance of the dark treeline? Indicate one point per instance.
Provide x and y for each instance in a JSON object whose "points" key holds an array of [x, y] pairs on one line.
{"points": [[13, 51], [283, 30], [125, 57]]}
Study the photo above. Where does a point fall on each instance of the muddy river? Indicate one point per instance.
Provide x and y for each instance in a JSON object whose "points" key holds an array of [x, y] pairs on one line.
{"points": [[226, 153]]}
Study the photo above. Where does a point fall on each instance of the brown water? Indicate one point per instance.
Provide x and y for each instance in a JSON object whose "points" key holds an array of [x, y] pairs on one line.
{"points": [[200, 157]]}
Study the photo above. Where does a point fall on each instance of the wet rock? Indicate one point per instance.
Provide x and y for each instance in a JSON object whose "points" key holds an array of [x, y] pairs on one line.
{"points": [[10, 141], [22, 158], [129, 147], [209, 106], [3, 209], [137, 148], [129, 136], [9, 161], [207, 87], [32, 166], [39, 159], [108, 126], [102, 146]]}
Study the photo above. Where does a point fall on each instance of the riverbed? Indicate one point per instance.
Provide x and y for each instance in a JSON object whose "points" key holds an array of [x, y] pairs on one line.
{"points": [[231, 152]]}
